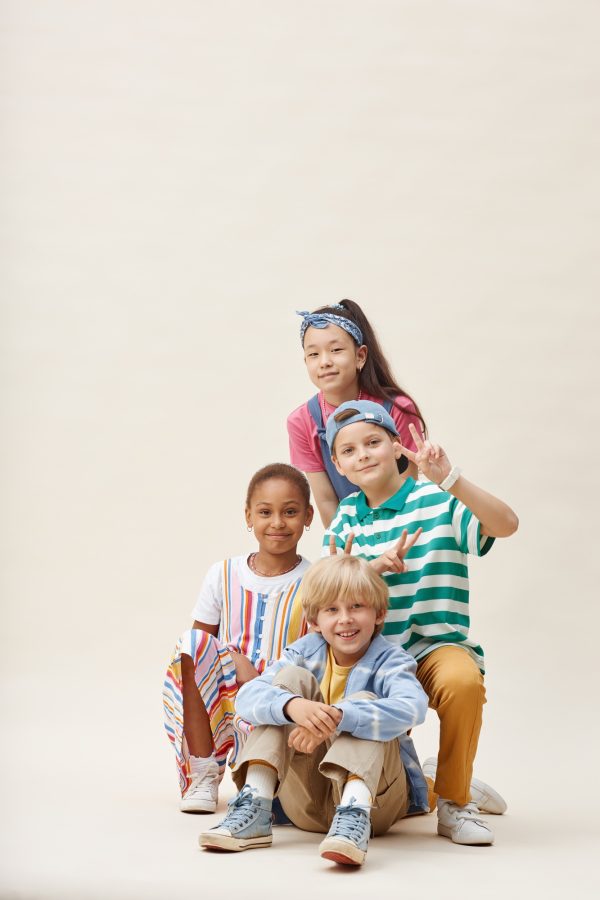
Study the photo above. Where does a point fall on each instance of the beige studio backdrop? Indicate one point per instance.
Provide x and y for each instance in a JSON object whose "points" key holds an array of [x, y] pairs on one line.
{"points": [[177, 180]]}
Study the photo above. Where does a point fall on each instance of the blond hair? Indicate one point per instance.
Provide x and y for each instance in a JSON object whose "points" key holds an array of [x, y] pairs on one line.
{"points": [[344, 577]]}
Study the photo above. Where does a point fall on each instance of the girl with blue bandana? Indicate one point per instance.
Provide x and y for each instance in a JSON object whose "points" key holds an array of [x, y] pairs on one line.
{"points": [[345, 362]]}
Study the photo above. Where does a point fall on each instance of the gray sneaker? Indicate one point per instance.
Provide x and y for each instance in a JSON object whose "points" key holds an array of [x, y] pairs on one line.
{"points": [[348, 838], [246, 825]]}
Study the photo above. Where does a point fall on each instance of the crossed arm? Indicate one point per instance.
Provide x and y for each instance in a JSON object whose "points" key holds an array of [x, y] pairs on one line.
{"points": [[315, 722]]}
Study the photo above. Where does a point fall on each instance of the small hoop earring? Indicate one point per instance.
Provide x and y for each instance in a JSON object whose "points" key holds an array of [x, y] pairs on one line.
{"points": [[249, 527], [307, 527]]}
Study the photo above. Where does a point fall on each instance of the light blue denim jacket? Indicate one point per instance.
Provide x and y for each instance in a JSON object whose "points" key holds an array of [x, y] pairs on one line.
{"points": [[385, 670]]}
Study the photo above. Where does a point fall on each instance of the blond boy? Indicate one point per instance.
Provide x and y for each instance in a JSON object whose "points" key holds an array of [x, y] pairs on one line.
{"points": [[331, 718]]}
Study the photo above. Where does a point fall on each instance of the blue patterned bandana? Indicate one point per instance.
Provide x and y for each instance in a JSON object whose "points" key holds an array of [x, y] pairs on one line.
{"points": [[322, 320]]}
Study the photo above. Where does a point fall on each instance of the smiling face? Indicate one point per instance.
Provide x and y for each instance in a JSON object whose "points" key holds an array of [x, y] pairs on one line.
{"points": [[367, 455], [278, 514], [333, 359], [348, 626]]}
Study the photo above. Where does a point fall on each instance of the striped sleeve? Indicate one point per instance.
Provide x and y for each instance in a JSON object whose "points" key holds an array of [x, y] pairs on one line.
{"points": [[467, 530], [259, 701]]}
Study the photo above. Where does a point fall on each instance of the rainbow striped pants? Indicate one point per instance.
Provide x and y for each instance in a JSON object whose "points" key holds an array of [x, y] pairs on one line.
{"points": [[216, 683]]}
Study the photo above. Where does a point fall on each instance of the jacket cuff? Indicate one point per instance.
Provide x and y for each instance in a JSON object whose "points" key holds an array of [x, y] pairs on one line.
{"points": [[277, 713], [349, 716]]}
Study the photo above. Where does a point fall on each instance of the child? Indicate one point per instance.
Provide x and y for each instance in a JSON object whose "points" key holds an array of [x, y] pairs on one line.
{"points": [[345, 362], [247, 611], [334, 711], [428, 605]]}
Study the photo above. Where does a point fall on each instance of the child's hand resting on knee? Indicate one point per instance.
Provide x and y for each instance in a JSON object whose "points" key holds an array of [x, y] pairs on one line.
{"points": [[319, 719], [303, 741]]}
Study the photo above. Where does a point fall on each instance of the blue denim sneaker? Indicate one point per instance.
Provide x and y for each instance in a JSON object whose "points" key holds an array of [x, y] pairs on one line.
{"points": [[246, 825], [348, 838]]}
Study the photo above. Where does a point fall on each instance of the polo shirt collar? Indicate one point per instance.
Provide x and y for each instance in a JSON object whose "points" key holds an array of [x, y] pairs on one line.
{"points": [[395, 502]]}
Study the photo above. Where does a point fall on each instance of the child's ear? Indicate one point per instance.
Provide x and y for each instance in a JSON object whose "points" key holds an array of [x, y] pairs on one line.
{"points": [[335, 462], [309, 515], [397, 449], [380, 618], [248, 519], [314, 627]]}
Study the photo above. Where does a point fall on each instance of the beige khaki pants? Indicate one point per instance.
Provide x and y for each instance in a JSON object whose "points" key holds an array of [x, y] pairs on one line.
{"points": [[310, 786], [454, 685]]}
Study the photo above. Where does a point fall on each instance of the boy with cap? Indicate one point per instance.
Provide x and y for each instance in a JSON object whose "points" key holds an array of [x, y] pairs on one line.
{"points": [[428, 612]]}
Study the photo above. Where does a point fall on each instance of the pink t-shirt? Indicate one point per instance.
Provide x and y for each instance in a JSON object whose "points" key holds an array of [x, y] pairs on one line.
{"points": [[305, 448]]}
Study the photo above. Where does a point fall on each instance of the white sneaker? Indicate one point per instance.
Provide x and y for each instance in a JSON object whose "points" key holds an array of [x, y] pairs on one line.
{"points": [[202, 794], [485, 797], [462, 824]]}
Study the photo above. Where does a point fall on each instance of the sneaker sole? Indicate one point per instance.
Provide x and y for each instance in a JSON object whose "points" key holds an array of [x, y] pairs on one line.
{"points": [[341, 852], [231, 844], [445, 831], [198, 807]]}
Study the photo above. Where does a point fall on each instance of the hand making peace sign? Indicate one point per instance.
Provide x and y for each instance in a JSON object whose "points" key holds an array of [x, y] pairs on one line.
{"points": [[430, 458], [392, 560], [347, 545]]}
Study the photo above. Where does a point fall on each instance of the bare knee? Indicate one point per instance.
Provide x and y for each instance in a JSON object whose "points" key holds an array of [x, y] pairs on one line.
{"points": [[187, 668], [193, 645]]}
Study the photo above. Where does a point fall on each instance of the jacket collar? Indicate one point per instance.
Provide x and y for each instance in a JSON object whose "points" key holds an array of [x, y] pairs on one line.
{"points": [[315, 643]]}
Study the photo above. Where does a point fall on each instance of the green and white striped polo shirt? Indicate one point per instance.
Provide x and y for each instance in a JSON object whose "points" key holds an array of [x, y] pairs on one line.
{"points": [[429, 603]]}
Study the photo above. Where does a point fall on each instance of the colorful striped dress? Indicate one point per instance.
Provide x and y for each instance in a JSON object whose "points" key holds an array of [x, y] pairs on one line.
{"points": [[258, 617]]}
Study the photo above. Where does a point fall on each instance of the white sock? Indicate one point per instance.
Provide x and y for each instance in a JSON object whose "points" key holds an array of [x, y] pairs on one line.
{"points": [[199, 764], [356, 788], [263, 779]]}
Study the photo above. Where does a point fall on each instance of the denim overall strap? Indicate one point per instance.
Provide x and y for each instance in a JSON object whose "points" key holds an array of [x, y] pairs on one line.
{"points": [[340, 483]]}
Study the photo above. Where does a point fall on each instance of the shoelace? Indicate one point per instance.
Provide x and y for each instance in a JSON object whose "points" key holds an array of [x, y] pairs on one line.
{"points": [[239, 810], [351, 821], [203, 782]]}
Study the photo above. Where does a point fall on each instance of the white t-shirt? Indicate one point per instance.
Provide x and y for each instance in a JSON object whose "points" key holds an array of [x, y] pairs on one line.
{"points": [[209, 605], [257, 616]]}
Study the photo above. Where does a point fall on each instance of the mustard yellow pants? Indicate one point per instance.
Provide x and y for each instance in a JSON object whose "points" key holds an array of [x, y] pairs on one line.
{"points": [[454, 685]]}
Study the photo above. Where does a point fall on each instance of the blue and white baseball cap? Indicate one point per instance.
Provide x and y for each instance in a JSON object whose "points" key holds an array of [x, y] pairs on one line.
{"points": [[357, 411]]}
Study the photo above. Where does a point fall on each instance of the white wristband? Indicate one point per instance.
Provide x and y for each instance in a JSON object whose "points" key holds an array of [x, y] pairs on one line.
{"points": [[450, 479]]}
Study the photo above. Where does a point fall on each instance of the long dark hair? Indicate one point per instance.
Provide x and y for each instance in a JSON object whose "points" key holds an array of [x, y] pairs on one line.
{"points": [[376, 377]]}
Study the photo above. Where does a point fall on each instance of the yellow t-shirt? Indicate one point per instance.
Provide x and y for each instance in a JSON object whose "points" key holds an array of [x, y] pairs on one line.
{"points": [[334, 679]]}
